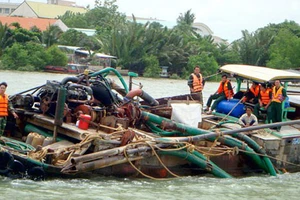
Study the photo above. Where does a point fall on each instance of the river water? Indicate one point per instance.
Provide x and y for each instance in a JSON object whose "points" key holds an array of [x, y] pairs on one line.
{"points": [[284, 186]]}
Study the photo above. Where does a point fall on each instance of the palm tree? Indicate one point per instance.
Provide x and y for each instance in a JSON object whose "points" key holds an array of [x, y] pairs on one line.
{"points": [[187, 18], [4, 36], [51, 35]]}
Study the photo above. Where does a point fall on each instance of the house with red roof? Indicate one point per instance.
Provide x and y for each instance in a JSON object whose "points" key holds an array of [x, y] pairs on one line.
{"points": [[29, 22]]}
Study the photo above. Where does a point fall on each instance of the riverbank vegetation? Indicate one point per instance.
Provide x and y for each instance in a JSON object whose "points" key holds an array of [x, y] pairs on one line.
{"points": [[142, 48]]}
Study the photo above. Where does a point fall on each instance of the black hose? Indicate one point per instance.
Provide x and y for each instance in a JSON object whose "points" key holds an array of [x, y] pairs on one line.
{"points": [[73, 79]]}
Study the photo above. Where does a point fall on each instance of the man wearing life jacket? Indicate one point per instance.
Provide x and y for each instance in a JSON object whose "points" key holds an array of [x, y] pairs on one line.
{"points": [[251, 95], [278, 96], [264, 101], [196, 83], [224, 91], [5, 107]]}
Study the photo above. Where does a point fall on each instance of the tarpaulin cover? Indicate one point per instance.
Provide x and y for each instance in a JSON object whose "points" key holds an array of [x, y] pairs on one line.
{"points": [[189, 114]]}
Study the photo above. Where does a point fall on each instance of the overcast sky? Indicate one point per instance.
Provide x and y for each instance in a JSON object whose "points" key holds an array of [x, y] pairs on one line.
{"points": [[226, 18]]}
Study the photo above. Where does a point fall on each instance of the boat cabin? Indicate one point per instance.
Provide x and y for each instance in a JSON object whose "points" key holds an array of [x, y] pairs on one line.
{"points": [[245, 75]]}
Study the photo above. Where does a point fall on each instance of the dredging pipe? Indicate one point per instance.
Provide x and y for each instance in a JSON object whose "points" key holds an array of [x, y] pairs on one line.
{"points": [[208, 134], [198, 134], [252, 144], [106, 70]]}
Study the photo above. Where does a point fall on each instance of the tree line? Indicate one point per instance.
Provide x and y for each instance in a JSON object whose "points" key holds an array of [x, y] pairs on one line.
{"points": [[142, 48]]}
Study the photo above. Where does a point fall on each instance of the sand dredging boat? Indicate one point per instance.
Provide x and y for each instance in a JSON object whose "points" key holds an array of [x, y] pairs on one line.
{"points": [[87, 125]]}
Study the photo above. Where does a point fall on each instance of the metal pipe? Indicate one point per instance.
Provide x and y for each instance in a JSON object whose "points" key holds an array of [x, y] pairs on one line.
{"points": [[97, 155], [35, 88], [59, 111], [167, 123], [98, 164]]}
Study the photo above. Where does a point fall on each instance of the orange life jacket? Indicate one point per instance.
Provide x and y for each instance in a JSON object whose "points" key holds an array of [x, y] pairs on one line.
{"points": [[277, 96], [255, 90], [3, 105], [197, 83], [265, 96], [224, 88]]}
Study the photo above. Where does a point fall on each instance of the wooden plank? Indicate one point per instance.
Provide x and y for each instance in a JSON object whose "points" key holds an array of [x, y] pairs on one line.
{"points": [[69, 130]]}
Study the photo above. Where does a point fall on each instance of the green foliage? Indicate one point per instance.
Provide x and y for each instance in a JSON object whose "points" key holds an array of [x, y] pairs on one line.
{"points": [[142, 48], [71, 37], [152, 67], [74, 20], [51, 35], [56, 56], [285, 51], [254, 48], [174, 76], [227, 54], [37, 56], [4, 37], [21, 35], [14, 57], [186, 18], [208, 65], [31, 57], [27, 68]]}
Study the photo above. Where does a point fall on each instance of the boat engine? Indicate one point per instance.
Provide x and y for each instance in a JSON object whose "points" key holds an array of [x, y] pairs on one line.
{"points": [[76, 94]]}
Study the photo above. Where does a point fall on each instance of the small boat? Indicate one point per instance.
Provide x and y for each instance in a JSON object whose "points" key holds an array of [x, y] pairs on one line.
{"points": [[69, 69], [85, 126]]}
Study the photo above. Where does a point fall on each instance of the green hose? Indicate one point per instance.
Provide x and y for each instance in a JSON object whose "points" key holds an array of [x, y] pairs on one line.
{"points": [[263, 163], [17, 145], [199, 160], [161, 132], [106, 71], [257, 149]]}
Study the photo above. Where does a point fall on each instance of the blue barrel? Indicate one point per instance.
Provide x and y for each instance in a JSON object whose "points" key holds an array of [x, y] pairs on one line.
{"points": [[226, 106]]}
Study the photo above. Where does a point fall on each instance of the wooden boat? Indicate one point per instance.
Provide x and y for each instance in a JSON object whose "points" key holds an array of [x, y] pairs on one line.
{"points": [[281, 147], [68, 69], [81, 127]]}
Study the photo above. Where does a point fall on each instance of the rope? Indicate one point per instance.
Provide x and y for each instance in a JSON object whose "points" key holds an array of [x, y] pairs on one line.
{"points": [[215, 149], [41, 154], [138, 170], [157, 156]]}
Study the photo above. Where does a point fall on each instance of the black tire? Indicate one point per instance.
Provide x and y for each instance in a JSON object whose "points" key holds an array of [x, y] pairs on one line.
{"points": [[5, 159], [16, 169], [36, 173]]}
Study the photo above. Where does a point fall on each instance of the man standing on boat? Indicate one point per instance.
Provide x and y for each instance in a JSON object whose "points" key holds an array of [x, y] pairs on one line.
{"points": [[224, 91], [5, 107], [264, 101], [196, 83], [278, 96], [248, 119]]}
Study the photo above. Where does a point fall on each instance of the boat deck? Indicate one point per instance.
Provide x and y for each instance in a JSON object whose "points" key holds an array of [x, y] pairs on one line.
{"points": [[68, 129]]}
